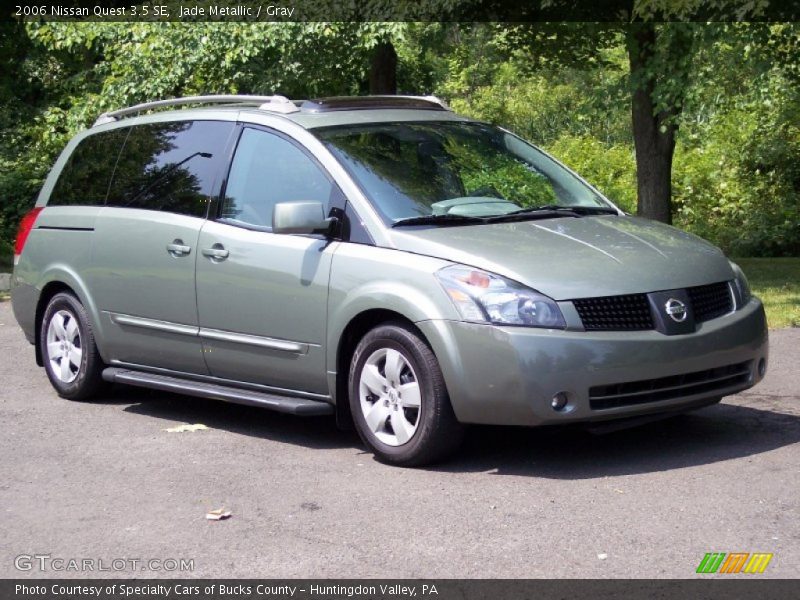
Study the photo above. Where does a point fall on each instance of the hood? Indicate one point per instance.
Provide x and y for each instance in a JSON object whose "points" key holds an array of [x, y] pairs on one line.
{"points": [[569, 257]]}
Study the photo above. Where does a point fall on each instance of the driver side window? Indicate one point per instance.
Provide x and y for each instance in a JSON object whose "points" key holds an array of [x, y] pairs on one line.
{"points": [[268, 169]]}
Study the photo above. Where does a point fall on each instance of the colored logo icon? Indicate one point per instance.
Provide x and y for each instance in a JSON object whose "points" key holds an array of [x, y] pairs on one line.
{"points": [[734, 562]]}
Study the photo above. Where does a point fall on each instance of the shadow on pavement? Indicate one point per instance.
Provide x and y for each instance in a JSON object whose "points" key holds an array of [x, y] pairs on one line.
{"points": [[311, 432], [717, 433]]}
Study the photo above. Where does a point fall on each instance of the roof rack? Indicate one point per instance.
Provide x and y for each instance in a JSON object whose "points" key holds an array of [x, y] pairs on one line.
{"points": [[280, 104], [372, 102]]}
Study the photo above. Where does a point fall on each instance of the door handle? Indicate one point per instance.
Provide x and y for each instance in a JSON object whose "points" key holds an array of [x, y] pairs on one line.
{"points": [[216, 253], [178, 248]]}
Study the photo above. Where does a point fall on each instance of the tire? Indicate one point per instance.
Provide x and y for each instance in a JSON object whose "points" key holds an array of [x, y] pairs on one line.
{"points": [[398, 398], [69, 352]]}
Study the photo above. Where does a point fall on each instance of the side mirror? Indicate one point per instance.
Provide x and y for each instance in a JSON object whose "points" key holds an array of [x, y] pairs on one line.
{"points": [[300, 217]]}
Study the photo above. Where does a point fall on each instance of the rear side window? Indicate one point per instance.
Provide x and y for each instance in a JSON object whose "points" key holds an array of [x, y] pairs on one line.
{"points": [[268, 169], [170, 167], [85, 177]]}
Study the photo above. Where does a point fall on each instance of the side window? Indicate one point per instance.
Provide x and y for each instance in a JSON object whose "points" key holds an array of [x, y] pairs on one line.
{"points": [[268, 169], [85, 177], [170, 167]]}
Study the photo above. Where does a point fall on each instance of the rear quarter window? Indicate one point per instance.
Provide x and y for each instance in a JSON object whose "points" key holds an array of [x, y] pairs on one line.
{"points": [[172, 167], [85, 177]]}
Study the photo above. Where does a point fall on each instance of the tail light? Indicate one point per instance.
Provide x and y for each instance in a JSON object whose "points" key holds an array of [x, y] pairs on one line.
{"points": [[25, 226]]}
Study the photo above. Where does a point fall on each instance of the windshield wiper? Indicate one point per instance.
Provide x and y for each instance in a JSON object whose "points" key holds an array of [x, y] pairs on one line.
{"points": [[446, 219], [553, 211], [550, 211]]}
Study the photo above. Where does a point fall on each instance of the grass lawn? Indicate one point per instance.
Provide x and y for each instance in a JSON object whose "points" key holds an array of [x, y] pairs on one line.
{"points": [[777, 282]]}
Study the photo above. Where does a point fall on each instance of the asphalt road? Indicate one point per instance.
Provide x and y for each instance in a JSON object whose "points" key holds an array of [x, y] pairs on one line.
{"points": [[104, 481]]}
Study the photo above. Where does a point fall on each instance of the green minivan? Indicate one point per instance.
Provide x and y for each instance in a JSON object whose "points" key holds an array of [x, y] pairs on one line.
{"points": [[380, 259]]}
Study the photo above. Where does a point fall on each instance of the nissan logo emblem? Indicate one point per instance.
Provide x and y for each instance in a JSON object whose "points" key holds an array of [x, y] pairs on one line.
{"points": [[676, 310]]}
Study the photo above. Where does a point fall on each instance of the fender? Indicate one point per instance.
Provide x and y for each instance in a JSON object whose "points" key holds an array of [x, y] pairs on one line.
{"points": [[62, 273], [406, 300]]}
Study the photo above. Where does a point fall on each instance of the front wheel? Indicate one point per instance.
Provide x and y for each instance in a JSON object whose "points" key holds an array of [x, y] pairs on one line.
{"points": [[70, 355], [398, 398]]}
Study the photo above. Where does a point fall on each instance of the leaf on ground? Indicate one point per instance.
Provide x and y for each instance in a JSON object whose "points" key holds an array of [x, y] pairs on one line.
{"points": [[218, 514], [186, 427]]}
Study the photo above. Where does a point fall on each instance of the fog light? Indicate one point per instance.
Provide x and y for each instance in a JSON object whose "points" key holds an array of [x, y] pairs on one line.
{"points": [[762, 367], [559, 401]]}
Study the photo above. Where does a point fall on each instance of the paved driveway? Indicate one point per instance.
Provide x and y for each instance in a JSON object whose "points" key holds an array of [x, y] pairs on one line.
{"points": [[104, 481]]}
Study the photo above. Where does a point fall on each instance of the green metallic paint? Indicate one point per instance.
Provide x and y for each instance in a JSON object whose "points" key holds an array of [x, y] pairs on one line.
{"points": [[568, 258], [508, 375], [68, 265], [281, 291], [366, 278], [132, 273], [305, 290]]}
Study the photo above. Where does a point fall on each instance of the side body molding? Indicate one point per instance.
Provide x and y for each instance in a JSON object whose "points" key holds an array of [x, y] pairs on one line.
{"points": [[211, 334]]}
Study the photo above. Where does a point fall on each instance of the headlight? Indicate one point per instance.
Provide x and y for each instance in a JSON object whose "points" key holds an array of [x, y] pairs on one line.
{"points": [[487, 298], [741, 284]]}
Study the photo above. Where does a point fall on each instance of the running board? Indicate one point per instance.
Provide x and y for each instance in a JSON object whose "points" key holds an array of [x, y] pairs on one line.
{"points": [[285, 404]]}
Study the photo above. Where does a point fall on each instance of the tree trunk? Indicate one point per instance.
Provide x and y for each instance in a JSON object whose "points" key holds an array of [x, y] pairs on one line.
{"points": [[383, 70], [653, 132]]}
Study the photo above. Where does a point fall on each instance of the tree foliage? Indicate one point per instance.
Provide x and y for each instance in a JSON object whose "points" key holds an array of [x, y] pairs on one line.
{"points": [[725, 94], [734, 177], [58, 77]]}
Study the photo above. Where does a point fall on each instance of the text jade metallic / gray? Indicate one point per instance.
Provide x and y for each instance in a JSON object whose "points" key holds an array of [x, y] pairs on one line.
{"points": [[378, 258]]}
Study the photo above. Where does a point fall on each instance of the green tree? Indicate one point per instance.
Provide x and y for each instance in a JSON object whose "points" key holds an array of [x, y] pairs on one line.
{"points": [[662, 44], [57, 77]]}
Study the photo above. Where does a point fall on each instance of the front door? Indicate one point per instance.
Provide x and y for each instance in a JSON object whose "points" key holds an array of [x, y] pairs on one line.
{"points": [[261, 296]]}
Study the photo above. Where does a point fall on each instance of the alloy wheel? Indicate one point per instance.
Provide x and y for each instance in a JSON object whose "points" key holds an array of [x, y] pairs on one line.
{"points": [[390, 397], [64, 347]]}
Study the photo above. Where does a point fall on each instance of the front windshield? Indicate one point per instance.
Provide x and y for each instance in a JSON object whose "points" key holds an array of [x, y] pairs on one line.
{"points": [[452, 168]]}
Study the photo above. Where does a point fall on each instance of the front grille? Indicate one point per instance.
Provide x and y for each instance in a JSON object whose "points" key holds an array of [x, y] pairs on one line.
{"points": [[668, 388], [615, 313], [710, 301], [631, 312]]}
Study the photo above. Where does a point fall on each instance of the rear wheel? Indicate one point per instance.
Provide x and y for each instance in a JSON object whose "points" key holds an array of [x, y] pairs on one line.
{"points": [[70, 355], [399, 400]]}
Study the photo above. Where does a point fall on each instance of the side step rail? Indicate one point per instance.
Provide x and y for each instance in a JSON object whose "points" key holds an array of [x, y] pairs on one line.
{"points": [[285, 404]]}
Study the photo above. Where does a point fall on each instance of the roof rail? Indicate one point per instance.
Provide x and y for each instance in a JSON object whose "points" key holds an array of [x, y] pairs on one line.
{"points": [[280, 104], [434, 100], [336, 103]]}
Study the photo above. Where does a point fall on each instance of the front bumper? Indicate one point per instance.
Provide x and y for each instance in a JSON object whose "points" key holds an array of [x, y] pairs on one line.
{"points": [[509, 375]]}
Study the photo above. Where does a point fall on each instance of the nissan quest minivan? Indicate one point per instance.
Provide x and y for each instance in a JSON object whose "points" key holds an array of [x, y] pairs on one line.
{"points": [[378, 258]]}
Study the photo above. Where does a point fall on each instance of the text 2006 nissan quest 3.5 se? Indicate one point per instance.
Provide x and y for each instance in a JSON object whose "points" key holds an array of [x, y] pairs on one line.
{"points": [[378, 258]]}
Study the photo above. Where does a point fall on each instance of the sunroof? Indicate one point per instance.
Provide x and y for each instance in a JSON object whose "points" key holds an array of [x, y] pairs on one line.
{"points": [[371, 102]]}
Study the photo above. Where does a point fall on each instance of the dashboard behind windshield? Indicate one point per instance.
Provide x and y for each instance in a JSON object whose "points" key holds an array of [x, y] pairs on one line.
{"points": [[416, 169]]}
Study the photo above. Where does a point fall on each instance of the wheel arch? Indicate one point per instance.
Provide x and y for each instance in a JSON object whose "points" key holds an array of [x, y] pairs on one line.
{"points": [[48, 291], [358, 326], [54, 282]]}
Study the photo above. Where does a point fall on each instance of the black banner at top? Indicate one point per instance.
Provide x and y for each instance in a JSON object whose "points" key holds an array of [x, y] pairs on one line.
{"points": [[403, 10]]}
